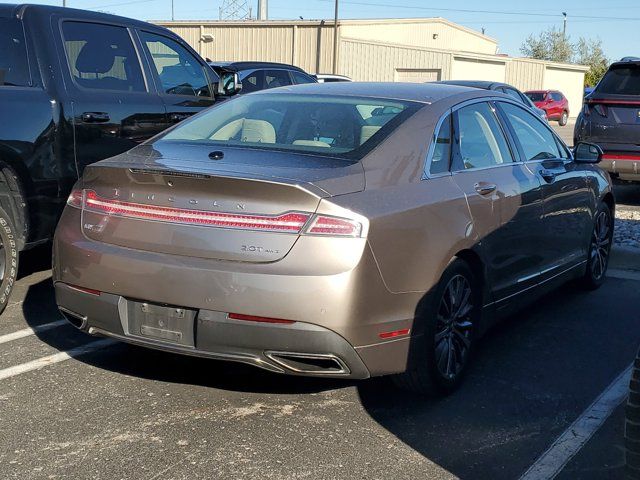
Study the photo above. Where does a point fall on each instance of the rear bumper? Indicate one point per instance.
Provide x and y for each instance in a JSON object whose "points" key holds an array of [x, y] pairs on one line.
{"points": [[296, 349], [339, 315], [622, 161]]}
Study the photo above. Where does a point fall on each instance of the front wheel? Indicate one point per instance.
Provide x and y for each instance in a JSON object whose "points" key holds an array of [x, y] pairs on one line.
{"points": [[8, 258], [599, 248], [449, 320], [564, 119]]}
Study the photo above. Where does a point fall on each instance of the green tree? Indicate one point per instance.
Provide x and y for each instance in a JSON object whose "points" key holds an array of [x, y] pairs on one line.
{"points": [[589, 52], [554, 46], [551, 45]]}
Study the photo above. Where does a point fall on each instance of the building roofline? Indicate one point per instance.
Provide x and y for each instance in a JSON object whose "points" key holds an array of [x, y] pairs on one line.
{"points": [[327, 22]]}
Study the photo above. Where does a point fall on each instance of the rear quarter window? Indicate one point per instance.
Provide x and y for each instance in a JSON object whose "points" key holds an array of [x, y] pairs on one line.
{"points": [[14, 66]]}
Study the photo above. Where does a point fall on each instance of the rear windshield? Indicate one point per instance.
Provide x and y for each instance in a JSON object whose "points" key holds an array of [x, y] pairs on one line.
{"points": [[535, 96], [337, 126], [621, 81]]}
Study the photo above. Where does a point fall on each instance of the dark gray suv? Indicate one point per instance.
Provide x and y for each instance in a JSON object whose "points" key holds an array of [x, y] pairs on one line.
{"points": [[611, 118]]}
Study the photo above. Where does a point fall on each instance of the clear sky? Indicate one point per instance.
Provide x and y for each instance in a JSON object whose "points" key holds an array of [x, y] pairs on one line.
{"points": [[615, 22]]}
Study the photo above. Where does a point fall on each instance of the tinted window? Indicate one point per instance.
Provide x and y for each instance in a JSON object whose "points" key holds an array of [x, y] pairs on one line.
{"points": [[330, 125], [536, 140], [536, 96], [621, 81], [276, 78], [14, 69], [180, 73], [557, 97], [300, 78], [513, 93], [252, 82], [442, 149], [482, 142], [102, 57]]}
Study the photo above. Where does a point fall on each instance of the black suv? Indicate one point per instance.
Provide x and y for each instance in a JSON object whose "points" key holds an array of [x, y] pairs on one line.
{"points": [[256, 76], [611, 118], [77, 87]]}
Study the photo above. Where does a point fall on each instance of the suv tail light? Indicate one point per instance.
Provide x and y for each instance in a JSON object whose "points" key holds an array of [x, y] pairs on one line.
{"points": [[601, 109], [75, 199]]}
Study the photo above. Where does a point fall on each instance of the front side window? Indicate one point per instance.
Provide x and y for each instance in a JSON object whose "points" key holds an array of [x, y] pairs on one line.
{"points": [[102, 57], [179, 72], [536, 140], [441, 156], [330, 125], [300, 78], [14, 67], [536, 96], [252, 82], [481, 140]]}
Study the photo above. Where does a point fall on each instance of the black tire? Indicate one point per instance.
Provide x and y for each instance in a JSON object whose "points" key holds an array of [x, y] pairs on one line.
{"points": [[425, 375], [599, 249], [632, 425], [9, 258], [564, 119]]}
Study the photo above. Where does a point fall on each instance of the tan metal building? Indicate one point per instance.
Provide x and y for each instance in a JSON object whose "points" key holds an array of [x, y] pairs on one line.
{"points": [[413, 50]]}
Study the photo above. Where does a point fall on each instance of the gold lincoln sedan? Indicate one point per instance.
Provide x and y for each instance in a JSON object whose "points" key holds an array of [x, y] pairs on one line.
{"points": [[338, 230]]}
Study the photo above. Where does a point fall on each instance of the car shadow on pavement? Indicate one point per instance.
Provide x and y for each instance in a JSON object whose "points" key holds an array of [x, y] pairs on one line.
{"points": [[150, 364], [533, 375], [35, 260]]}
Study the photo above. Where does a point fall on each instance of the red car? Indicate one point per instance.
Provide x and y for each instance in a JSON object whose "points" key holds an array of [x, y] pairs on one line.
{"points": [[553, 102]]}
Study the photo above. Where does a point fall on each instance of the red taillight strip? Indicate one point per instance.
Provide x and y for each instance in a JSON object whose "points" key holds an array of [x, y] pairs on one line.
{"points": [[89, 291], [288, 222], [394, 334], [253, 318], [621, 157]]}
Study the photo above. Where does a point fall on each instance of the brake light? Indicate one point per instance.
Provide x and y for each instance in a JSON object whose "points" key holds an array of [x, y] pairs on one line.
{"points": [[394, 334], [286, 223], [333, 226], [253, 318], [601, 109], [75, 199]]}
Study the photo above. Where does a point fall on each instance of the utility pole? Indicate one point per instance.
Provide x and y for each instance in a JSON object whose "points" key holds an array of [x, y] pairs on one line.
{"points": [[564, 27], [64, 3], [173, 17], [335, 40]]}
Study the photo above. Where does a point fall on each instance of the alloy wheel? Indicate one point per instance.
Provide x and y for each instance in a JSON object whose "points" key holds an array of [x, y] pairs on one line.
{"points": [[600, 245], [454, 327]]}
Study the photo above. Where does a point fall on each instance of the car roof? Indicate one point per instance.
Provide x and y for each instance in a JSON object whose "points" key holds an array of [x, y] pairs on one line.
{"points": [[414, 92], [12, 10], [245, 65], [484, 84]]}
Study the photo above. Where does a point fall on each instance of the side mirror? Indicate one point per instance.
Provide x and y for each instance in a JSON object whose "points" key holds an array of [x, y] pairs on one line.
{"points": [[587, 153], [229, 84]]}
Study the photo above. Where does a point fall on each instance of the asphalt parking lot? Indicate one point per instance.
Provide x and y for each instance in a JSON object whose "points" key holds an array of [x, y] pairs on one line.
{"points": [[122, 412]]}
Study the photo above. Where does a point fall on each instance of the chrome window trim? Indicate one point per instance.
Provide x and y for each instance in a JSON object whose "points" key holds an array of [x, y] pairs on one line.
{"points": [[426, 172]]}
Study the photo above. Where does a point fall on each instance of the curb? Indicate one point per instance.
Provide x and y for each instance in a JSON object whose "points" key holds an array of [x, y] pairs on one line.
{"points": [[625, 258]]}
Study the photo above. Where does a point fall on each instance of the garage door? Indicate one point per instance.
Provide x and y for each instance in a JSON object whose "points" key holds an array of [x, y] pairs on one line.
{"points": [[417, 75]]}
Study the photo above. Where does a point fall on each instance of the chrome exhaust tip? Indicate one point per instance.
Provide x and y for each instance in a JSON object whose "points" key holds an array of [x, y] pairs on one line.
{"points": [[75, 319], [310, 363]]}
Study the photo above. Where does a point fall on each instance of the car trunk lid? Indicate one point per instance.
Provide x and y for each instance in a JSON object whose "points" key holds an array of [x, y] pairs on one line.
{"points": [[177, 200]]}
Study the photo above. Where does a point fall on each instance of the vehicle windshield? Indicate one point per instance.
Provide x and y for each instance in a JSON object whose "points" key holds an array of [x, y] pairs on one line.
{"points": [[535, 96], [621, 81], [337, 126]]}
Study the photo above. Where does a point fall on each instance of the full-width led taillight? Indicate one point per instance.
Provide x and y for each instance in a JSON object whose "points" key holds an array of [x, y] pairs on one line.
{"points": [[291, 222], [254, 318], [333, 226]]}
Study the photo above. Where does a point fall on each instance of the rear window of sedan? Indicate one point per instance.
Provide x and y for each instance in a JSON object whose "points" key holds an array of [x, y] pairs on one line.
{"points": [[338, 126]]}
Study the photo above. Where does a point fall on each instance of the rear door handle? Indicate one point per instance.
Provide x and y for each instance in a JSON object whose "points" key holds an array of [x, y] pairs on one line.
{"points": [[485, 188], [548, 175], [95, 117]]}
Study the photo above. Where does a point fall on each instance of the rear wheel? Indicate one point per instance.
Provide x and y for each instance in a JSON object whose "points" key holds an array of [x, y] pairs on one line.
{"points": [[599, 248], [564, 119], [8, 258], [450, 320]]}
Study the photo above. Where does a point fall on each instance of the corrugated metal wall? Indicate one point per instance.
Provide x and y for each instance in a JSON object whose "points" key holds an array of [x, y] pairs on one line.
{"points": [[475, 68], [525, 74], [377, 62]]}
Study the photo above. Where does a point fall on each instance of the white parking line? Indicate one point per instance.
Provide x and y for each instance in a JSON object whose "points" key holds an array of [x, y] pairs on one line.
{"points": [[551, 462], [9, 337], [55, 358]]}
